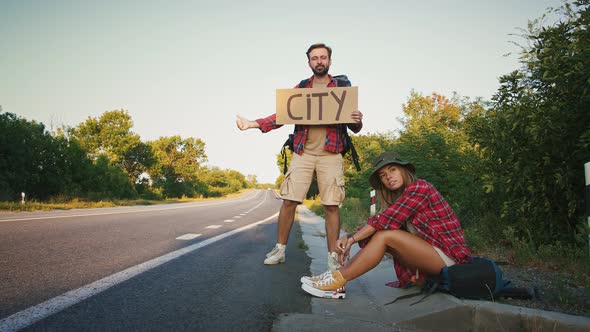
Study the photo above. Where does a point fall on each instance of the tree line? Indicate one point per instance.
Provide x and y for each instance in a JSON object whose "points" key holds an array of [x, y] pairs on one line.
{"points": [[102, 158], [512, 167]]}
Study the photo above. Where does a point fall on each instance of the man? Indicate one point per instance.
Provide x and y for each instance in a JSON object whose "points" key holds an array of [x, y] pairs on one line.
{"points": [[317, 149]]}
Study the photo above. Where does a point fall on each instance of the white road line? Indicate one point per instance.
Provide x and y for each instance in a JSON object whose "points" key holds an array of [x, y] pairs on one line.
{"points": [[213, 226], [237, 217], [228, 220], [188, 236], [33, 314], [126, 212]]}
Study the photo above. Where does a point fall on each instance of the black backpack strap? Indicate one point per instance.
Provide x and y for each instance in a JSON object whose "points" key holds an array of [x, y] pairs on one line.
{"points": [[341, 80], [429, 289], [284, 155], [516, 293], [303, 83], [407, 296], [355, 156], [288, 144]]}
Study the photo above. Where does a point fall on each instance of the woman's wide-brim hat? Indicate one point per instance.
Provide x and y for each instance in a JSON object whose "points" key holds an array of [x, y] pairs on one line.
{"points": [[384, 159]]}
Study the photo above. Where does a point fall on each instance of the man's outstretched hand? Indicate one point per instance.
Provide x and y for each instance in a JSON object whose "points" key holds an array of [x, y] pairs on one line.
{"points": [[244, 123]]}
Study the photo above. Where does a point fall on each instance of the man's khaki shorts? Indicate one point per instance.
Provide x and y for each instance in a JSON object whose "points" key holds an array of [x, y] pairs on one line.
{"points": [[329, 172]]}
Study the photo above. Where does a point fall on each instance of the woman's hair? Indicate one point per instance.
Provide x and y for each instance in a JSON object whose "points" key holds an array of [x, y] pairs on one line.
{"points": [[386, 197]]}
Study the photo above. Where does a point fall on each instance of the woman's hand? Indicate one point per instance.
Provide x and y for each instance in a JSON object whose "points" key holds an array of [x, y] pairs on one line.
{"points": [[344, 256], [341, 243], [344, 244]]}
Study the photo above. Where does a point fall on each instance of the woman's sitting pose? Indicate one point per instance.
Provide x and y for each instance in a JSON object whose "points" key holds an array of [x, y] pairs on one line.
{"points": [[415, 225]]}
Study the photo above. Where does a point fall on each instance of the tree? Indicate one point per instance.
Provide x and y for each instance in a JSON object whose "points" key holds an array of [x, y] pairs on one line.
{"points": [[31, 160], [43, 166], [536, 137], [109, 181], [436, 112], [435, 141], [111, 136], [22, 156], [222, 182], [177, 165], [252, 180]]}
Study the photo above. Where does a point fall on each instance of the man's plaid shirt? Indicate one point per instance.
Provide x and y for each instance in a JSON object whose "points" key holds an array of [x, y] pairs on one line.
{"points": [[334, 133], [423, 206]]}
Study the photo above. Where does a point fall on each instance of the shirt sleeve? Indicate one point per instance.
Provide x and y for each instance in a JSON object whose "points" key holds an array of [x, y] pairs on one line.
{"points": [[355, 127], [413, 199], [269, 123]]}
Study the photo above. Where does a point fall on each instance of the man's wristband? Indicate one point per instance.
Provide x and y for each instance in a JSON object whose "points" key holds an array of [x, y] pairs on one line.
{"points": [[352, 237]]}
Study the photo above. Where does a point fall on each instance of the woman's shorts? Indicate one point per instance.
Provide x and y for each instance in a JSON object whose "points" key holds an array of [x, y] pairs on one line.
{"points": [[448, 261]]}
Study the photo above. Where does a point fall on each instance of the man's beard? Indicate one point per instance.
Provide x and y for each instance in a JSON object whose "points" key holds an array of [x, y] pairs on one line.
{"points": [[322, 72]]}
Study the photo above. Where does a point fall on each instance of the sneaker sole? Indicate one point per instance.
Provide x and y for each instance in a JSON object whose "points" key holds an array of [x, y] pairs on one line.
{"points": [[306, 281], [323, 294], [267, 262]]}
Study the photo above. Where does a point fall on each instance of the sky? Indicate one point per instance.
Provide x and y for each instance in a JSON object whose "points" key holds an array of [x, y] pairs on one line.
{"points": [[188, 67]]}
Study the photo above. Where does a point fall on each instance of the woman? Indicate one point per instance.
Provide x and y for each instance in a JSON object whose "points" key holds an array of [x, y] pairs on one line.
{"points": [[416, 225]]}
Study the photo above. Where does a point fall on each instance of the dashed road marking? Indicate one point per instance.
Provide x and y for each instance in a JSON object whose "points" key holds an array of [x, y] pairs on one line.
{"points": [[188, 236], [228, 220], [213, 226]]}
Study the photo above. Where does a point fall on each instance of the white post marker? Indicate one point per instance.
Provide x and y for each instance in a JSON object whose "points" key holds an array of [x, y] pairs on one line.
{"points": [[373, 202], [587, 174], [22, 195]]}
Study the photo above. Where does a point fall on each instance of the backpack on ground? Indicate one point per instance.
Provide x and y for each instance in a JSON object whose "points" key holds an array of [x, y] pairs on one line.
{"points": [[481, 279], [341, 81]]}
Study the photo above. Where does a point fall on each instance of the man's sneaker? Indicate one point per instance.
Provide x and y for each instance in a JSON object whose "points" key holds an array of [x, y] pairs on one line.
{"points": [[333, 263], [330, 287], [276, 256], [310, 280], [274, 250]]}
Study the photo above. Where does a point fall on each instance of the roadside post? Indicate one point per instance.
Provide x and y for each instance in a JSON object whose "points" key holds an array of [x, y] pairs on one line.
{"points": [[22, 201], [373, 203], [587, 174]]}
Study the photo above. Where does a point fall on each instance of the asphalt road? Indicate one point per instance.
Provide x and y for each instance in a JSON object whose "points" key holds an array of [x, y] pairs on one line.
{"points": [[129, 268]]}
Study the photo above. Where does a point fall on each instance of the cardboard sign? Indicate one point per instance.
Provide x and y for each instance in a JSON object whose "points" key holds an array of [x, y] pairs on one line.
{"points": [[316, 105]]}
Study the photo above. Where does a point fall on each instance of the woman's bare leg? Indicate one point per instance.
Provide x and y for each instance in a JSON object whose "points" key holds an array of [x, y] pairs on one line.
{"points": [[410, 250]]}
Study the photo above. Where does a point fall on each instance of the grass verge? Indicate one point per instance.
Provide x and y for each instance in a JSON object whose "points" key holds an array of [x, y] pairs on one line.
{"points": [[61, 203]]}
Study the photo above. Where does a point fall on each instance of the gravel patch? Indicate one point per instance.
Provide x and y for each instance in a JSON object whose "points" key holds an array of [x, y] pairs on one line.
{"points": [[555, 291]]}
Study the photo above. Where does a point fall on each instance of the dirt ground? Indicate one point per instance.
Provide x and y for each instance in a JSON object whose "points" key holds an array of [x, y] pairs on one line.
{"points": [[555, 291]]}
